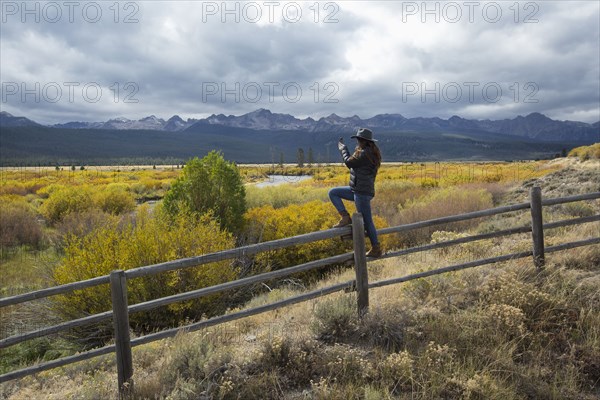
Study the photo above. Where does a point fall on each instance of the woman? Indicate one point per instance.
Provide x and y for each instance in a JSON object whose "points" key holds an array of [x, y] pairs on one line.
{"points": [[363, 165]]}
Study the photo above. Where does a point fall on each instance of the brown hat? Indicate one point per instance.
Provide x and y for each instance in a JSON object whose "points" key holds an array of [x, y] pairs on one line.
{"points": [[364, 133]]}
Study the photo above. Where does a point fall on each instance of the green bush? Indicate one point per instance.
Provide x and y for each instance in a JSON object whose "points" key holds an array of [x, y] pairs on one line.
{"points": [[210, 184]]}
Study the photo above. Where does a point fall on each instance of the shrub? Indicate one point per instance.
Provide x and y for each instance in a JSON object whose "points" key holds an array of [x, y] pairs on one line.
{"points": [[47, 191], [210, 184], [65, 201], [266, 223], [115, 199], [579, 209], [391, 195], [148, 239], [384, 327], [81, 224], [19, 225], [284, 195], [396, 371], [336, 319]]}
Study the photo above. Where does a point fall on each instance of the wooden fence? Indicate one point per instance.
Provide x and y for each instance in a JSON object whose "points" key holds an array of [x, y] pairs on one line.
{"points": [[121, 310]]}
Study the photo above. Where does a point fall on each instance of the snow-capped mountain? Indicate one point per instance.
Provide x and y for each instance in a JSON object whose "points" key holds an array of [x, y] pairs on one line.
{"points": [[533, 126]]}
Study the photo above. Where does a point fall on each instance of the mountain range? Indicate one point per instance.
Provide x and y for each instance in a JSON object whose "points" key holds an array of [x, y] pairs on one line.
{"points": [[265, 137], [534, 126]]}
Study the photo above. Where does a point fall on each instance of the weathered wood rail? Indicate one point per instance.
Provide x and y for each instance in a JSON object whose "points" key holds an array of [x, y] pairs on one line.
{"points": [[121, 310]]}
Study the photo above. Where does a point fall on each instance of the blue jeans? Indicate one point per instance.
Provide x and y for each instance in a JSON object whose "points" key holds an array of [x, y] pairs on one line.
{"points": [[363, 206]]}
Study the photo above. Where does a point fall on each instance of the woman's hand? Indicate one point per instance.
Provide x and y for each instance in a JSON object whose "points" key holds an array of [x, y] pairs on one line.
{"points": [[341, 144]]}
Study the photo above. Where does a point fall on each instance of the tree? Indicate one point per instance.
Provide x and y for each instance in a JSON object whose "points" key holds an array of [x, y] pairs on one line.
{"points": [[281, 159], [311, 157], [300, 157], [209, 185]]}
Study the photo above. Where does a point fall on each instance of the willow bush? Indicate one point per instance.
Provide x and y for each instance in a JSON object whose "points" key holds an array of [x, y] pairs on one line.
{"points": [[149, 238], [268, 223], [63, 201]]}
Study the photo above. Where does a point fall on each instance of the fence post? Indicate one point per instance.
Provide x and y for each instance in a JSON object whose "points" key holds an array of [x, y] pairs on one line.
{"points": [[537, 231], [118, 289], [360, 264]]}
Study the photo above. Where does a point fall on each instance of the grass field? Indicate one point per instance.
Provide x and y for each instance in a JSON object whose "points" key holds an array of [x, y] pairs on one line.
{"points": [[504, 332]]}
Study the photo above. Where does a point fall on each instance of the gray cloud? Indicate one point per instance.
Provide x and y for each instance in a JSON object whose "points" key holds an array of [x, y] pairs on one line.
{"points": [[378, 57]]}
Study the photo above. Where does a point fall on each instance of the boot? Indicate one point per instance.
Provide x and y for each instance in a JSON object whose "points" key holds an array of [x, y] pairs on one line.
{"points": [[345, 221], [375, 252]]}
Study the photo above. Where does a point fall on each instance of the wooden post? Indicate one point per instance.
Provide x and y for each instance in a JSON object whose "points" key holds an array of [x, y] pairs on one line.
{"points": [[537, 230], [118, 288], [360, 264]]}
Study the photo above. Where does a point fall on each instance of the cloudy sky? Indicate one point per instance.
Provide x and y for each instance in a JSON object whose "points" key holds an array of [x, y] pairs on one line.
{"points": [[91, 61]]}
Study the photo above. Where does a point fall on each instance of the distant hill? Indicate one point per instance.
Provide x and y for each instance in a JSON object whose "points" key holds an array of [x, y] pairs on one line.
{"points": [[534, 126], [8, 120], [34, 145]]}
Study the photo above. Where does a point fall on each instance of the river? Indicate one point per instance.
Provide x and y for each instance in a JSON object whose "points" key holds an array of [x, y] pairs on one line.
{"points": [[276, 180]]}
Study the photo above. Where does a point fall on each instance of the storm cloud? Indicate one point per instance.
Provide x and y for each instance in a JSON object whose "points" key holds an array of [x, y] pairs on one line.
{"points": [[91, 61]]}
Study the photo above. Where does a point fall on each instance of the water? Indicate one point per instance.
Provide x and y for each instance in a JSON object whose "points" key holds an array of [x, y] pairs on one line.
{"points": [[276, 180]]}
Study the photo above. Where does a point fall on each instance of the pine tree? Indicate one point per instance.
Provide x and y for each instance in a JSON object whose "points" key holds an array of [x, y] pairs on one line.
{"points": [[300, 157]]}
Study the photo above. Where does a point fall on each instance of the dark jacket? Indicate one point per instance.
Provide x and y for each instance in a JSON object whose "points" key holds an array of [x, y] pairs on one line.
{"points": [[363, 170]]}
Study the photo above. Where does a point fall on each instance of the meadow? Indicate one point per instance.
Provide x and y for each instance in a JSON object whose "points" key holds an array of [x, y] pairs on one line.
{"points": [[42, 206], [498, 332]]}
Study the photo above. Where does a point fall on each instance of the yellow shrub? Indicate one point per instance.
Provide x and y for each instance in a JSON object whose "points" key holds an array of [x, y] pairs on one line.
{"points": [[283, 195], [115, 199], [267, 223], [66, 200], [47, 191], [150, 239]]}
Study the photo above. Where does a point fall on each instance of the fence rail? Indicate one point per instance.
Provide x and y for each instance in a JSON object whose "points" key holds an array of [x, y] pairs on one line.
{"points": [[121, 310]]}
